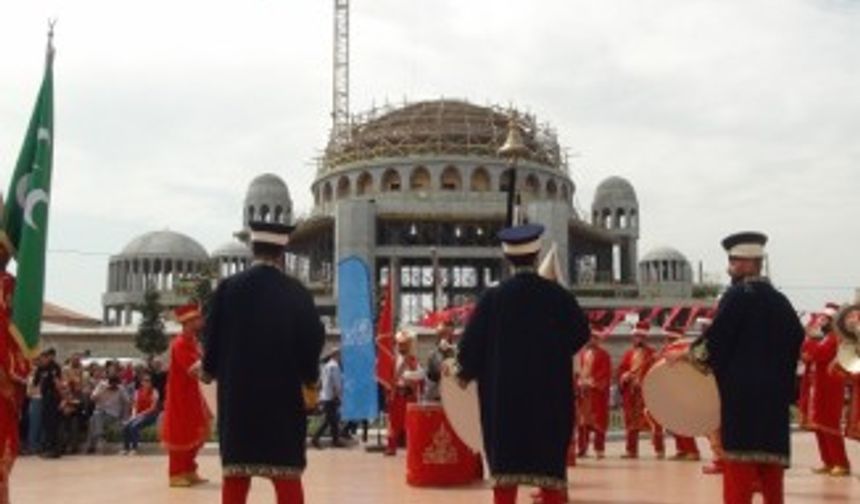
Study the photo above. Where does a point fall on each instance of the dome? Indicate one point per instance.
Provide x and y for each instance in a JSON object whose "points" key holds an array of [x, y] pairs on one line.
{"points": [[268, 199], [440, 127], [664, 254], [615, 192], [165, 244], [232, 249]]}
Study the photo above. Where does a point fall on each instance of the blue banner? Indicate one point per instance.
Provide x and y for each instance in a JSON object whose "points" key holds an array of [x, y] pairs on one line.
{"points": [[358, 353]]}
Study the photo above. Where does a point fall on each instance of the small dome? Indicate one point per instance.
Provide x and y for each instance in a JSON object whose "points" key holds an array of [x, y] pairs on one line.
{"points": [[232, 249], [268, 199], [165, 244], [664, 254], [615, 192]]}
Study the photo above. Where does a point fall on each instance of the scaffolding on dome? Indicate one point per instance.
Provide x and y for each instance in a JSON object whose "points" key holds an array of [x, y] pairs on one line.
{"points": [[438, 127]]}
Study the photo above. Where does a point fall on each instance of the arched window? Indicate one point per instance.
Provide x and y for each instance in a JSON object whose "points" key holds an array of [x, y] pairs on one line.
{"points": [[419, 179], [451, 179], [251, 213], [327, 193], [279, 214], [633, 221], [505, 180], [390, 180], [480, 180], [343, 187], [551, 189], [532, 184], [364, 184], [620, 219], [607, 219], [264, 213]]}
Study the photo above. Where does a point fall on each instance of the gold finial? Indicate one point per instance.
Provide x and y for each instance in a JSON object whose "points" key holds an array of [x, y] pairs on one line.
{"points": [[514, 147]]}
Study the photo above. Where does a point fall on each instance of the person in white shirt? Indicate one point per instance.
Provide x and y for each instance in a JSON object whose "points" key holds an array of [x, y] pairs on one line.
{"points": [[331, 394]]}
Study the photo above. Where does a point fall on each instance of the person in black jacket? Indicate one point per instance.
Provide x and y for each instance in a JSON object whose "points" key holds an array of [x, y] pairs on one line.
{"points": [[752, 348], [262, 343], [519, 345]]}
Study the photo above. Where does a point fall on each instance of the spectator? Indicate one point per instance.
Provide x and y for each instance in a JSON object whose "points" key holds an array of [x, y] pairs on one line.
{"points": [[70, 417], [110, 404], [48, 379], [331, 393], [34, 411], [159, 379], [144, 414]]}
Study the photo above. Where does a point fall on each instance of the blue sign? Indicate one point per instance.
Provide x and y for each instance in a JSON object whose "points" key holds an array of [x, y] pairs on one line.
{"points": [[358, 351]]}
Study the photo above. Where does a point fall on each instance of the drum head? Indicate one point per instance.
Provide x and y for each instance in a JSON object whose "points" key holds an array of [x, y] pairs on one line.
{"points": [[462, 410], [210, 395], [848, 356], [682, 398]]}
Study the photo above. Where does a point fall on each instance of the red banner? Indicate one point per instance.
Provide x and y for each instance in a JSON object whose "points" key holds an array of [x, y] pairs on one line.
{"points": [[385, 341]]}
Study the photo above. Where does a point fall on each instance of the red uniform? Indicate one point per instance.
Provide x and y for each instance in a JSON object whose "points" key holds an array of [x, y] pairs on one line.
{"points": [[825, 400], [407, 380], [852, 418], [634, 364], [187, 419], [595, 375], [14, 368]]}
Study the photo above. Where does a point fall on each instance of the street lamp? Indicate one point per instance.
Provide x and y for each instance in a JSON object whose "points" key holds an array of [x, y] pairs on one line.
{"points": [[512, 150]]}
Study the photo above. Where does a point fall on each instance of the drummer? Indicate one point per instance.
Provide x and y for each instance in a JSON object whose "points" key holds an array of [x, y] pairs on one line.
{"points": [[635, 363], [519, 346], [408, 379], [752, 347], [445, 348], [593, 381], [685, 447]]}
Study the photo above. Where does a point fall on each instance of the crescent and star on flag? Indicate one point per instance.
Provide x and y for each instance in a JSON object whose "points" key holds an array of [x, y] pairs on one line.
{"points": [[28, 200]]}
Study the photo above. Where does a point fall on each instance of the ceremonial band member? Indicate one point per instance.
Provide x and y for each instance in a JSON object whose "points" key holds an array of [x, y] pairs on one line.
{"points": [[14, 369], [752, 348], [685, 446], [594, 379], [263, 339], [519, 346], [635, 363], [408, 379], [826, 395], [187, 420]]}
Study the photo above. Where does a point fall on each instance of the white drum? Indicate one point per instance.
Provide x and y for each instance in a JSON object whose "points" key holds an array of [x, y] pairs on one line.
{"points": [[210, 395], [682, 398], [462, 409]]}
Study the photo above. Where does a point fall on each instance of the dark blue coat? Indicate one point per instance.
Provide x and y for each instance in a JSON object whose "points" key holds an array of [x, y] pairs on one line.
{"points": [[262, 341], [519, 346], [753, 347]]}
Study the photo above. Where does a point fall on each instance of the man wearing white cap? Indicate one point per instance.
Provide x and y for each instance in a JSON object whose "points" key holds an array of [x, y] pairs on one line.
{"points": [[262, 343], [826, 395], [408, 379], [519, 346], [752, 348]]}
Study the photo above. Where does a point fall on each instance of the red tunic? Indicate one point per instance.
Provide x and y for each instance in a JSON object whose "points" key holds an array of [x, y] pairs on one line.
{"points": [[852, 418], [595, 375], [186, 417], [634, 364], [827, 385], [14, 368]]}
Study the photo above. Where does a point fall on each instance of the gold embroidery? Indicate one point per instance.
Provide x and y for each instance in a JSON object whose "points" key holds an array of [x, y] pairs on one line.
{"points": [[758, 457], [536, 480], [266, 471], [442, 450]]}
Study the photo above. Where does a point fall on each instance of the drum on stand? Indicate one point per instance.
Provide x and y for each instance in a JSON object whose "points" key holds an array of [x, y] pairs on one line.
{"points": [[682, 398], [435, 456], [210, 395]]}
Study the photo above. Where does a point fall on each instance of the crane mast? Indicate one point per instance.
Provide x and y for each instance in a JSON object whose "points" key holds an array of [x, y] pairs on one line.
{"points": [[340, 83]]}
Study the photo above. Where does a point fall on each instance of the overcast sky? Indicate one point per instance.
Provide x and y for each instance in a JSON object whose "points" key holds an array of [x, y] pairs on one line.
{"points": [[724, 115]]}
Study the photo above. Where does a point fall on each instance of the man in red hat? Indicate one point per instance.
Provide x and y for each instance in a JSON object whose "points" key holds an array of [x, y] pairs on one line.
{"points": [[635, 363], [826, 395], [187, 419], [408, 378], [685, 447], [594, 379], [14, 368], [752, 347]]}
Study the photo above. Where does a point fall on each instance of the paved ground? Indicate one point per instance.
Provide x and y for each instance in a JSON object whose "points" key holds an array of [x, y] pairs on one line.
{"points": [[353, 476]]}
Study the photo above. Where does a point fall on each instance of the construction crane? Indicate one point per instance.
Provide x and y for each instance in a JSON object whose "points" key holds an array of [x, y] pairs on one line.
{"points": [[340, 82]]}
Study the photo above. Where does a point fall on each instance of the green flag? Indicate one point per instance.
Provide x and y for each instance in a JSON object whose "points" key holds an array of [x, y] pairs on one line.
{"points": [[25, 216]]}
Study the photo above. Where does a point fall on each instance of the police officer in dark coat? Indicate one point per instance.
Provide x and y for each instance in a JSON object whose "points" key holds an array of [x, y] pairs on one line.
{"points": [[519, 346], [752, 348], [262, 343]]}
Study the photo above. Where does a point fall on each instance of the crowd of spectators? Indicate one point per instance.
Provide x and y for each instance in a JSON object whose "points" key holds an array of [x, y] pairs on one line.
{"points": [[76, 405]]}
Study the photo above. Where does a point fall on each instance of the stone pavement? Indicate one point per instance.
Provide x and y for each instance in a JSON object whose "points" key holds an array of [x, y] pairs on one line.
{"points": [[354, 476]]}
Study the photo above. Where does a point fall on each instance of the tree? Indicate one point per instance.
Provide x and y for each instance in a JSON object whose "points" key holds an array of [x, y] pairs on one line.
{"points": [[151, 338]]}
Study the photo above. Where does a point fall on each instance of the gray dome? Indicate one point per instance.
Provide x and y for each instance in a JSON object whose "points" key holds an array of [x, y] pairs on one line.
{"points": [[664, 254], [165, 244], [232, 249], [615, 192], [268, 199]]}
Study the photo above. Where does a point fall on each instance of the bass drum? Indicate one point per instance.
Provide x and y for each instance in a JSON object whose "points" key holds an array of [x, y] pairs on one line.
{"points": [[462, 408], [682, 398], [210, 396]]}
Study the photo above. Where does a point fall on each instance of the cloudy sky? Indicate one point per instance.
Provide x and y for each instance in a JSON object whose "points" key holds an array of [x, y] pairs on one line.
{"points": [[725, 115]]}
